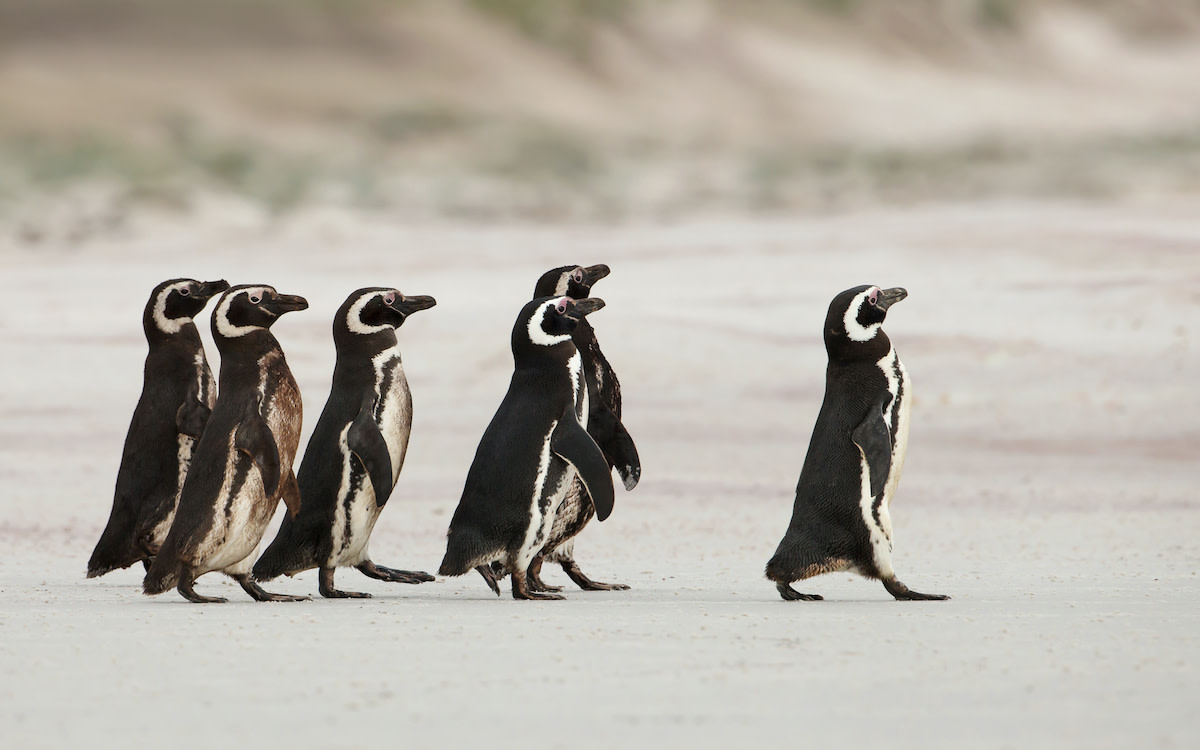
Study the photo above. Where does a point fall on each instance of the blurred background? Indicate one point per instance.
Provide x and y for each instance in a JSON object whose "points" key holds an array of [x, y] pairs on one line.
{"points": [[585, 110]]}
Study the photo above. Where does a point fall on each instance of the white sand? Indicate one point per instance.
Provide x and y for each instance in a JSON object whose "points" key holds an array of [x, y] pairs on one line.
{"points": [[1050, 488]]}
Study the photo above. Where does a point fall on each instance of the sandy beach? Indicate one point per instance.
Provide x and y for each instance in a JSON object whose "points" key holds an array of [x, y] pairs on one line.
{"points": [[1050, 489]]}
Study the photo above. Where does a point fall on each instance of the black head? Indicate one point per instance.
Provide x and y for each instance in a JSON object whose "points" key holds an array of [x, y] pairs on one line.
{"points": [[374, 312], [174, 303], [545, 325], [569, 281], [249, 308], [854, 325]]}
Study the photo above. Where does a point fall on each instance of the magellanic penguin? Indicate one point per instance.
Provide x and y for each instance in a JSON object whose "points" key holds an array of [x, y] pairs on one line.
{"points": [[178, 393], [531, 452], [603, 424], [354, 456], [243, 463], [840, 520]]}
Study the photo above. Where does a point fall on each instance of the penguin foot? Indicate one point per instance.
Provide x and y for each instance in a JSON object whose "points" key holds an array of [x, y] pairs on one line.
{"points": [[326, 589], [905, 594], [261, 595], [534, 577], [185, 590], [378, 572], [489, 577], [571, 568], [792, 595], [521, 590]]}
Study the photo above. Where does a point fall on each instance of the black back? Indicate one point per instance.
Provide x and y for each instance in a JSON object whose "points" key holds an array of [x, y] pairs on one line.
{"points": [[827, 520], [176, 376], [493, 511], [304, 541]]}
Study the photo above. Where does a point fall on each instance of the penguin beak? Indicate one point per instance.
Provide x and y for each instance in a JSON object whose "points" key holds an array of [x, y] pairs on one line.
{"points": [[408, 305], [584, 307], [889, 297], [210, 289], [592, 274], [285, 303]]}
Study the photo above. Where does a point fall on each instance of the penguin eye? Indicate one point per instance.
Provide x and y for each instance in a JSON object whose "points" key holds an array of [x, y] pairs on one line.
{"points": [[185, 292], [561, 307], [873, 296], [255, 299], [389, 298], [578, 276]]}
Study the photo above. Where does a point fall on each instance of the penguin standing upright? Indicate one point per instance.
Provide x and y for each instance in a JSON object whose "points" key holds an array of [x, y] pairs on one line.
{"points": [[178, 394], [243, 463], [603, 424], [840, 519], [531, 452], [356, 451]]}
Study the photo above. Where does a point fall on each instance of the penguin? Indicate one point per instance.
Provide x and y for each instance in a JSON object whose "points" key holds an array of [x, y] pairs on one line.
{"points": [[840, 519], [604, 425], [242, 465], [530, 454], [178, 393], [354, 456]]}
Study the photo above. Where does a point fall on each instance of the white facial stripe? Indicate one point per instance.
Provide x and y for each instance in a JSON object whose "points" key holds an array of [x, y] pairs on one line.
{"points": [[855, 330], [227, 329], [165, 324], [560, 289], [539, 336], [354, 319]]}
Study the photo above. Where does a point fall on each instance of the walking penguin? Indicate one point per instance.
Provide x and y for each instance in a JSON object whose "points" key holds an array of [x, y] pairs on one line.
{"points": [[354, 456], [243, 463], [178, 393], [840, 520], [531, 452], [603, 424]]}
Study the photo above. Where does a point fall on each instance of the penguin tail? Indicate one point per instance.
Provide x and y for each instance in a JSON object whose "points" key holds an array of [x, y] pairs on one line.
{"points": [[115, 550], [466, 549], [288, 554], [161, 577]]}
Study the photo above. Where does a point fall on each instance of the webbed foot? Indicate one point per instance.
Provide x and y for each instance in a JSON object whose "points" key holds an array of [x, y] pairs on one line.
{"points": [[905, 594], [326, 589], [792, 595]]}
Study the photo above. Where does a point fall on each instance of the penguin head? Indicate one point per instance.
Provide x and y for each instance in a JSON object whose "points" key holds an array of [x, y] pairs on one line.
{"points": [[251, 307], [569, 281], [371, 311], [174, 303], [545, 324], [854, 325]]}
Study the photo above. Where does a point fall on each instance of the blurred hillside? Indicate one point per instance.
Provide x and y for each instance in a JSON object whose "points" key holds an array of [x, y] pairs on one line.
{"points": [[590, 109]]}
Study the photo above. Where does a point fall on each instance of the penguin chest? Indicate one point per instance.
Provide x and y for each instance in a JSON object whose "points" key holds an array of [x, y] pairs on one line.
{"points": [[897, 417], [356, 510], [240, 516], [551, 484]]}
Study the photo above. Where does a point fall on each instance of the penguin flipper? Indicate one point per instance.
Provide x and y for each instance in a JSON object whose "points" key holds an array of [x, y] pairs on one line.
{"points": [[366, 441], [625, 458], [254, 438], [874, 439], [192, 415], [616, 444], [571, 443]]}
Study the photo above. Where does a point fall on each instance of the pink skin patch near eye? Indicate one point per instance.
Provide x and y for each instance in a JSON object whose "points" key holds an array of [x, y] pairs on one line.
{"points": [[578, 276], [561, 306], [873, 296], [389, 298]]}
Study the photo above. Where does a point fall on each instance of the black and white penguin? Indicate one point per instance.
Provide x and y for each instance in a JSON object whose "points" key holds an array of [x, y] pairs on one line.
{"points": [[531, 452], [242, 464], [840, 520], [356, 451], [178, 393], [603, 424]]}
